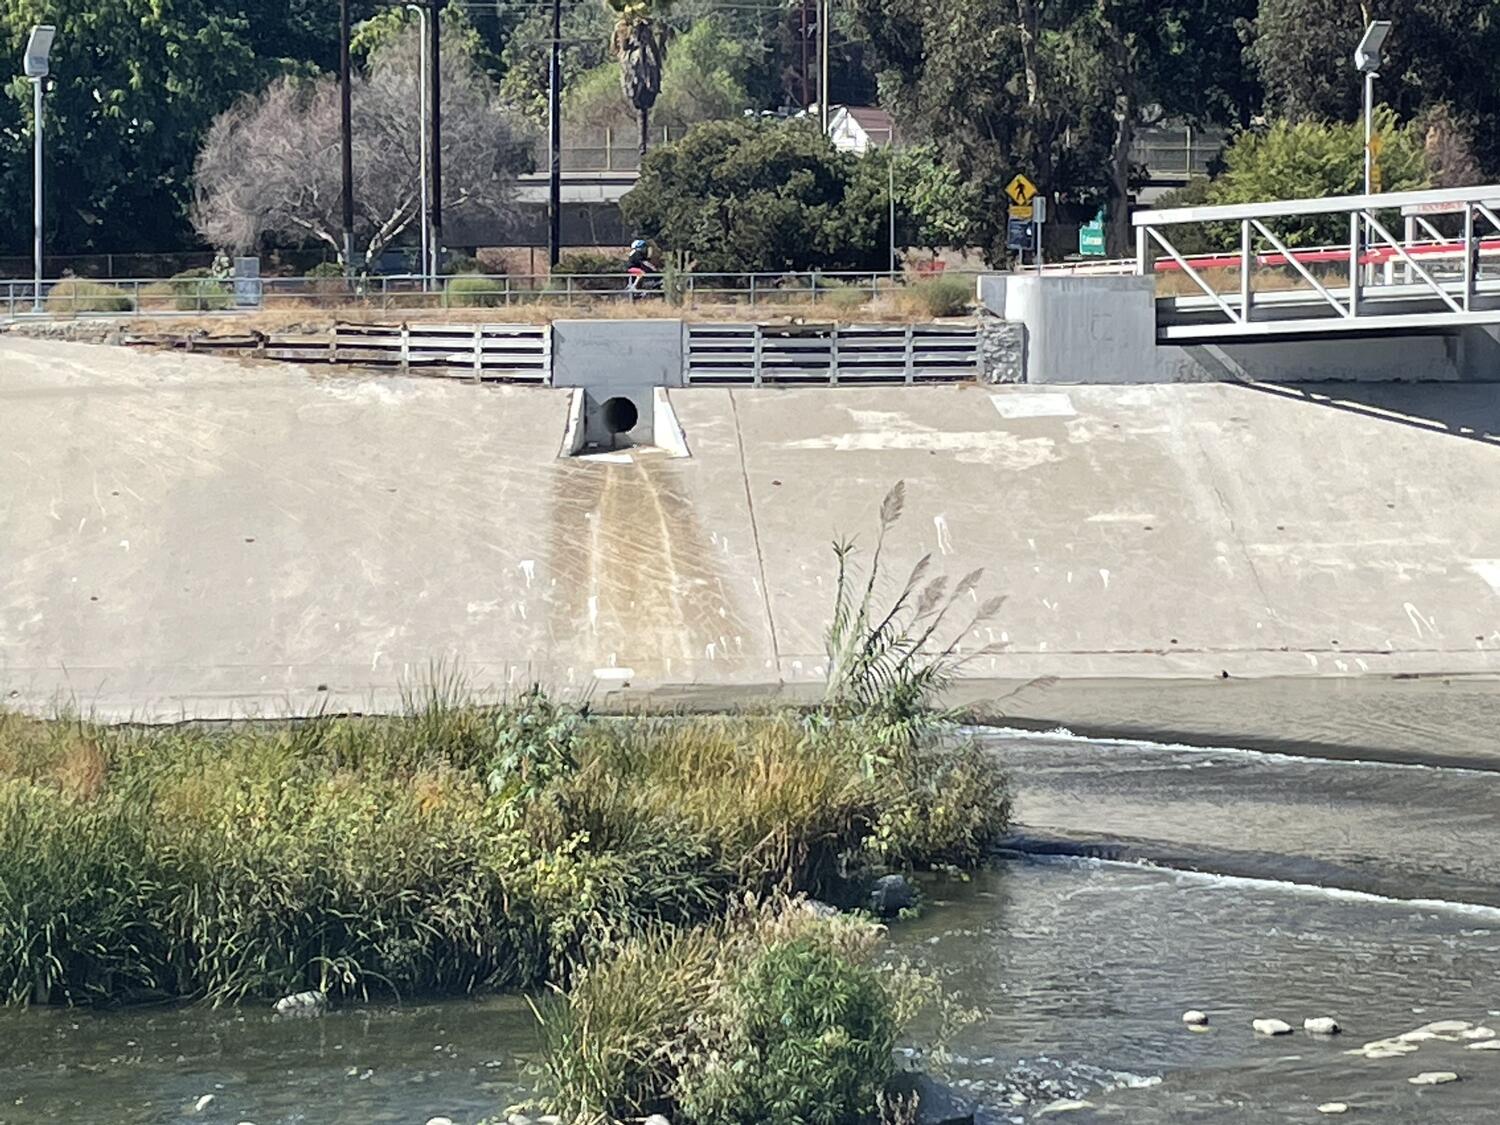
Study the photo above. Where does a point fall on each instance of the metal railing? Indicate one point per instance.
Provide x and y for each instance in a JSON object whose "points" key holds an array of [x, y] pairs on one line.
{"points": [[1371, 280], [845, 292]]}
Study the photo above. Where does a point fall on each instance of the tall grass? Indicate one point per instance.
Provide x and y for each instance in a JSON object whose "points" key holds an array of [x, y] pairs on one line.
{"points": [[450, 848]]}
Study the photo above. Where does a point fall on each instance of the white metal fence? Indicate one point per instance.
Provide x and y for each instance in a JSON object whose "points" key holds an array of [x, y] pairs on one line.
{"points": [[759, 354]]}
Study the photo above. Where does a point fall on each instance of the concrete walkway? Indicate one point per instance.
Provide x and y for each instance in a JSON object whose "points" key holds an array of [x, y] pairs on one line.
{"points": [[186, 535]]}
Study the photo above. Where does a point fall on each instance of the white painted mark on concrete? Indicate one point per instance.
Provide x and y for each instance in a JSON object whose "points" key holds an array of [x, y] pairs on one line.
{"points": [[1418, 621], [1121, 517], [1363, 667], [479, 609], [1104, 577], [125, 543], [594, 612], [528, 569], [1489, 570], [989, 447], [710, 650], [945, 541], [1311, 659], [613, 673], [1041, 404]]}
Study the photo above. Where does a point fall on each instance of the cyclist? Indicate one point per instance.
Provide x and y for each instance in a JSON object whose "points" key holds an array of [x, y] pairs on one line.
{"points": [[639, 264]]}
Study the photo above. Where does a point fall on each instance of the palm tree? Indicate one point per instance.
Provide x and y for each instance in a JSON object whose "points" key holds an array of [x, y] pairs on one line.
{"points": [[640, 43]]}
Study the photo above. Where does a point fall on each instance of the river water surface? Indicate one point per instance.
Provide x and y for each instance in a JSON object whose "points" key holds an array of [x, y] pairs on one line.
{"points": [[1144, 879]]}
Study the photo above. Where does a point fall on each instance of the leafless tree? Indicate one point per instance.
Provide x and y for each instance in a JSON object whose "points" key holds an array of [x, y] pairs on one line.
{"points": [[268, 171]]}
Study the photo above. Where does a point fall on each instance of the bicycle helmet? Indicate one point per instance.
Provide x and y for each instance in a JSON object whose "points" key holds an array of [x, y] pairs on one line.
{"points": [[638, 244]]}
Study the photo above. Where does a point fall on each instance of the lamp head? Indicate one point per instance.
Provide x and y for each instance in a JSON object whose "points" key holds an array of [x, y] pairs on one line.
{"points": [[38, 47], [1367, 54]]}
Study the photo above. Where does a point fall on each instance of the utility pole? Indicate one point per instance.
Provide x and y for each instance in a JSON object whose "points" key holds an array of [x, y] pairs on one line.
{"points": [[806, 85], [825, 28], [435, 135], [425, 258], [554, 140], [347, 136]]}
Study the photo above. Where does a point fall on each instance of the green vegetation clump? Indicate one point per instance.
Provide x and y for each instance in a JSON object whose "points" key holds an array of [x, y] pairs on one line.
{"points": [[448, 849], [74, 295], [467, 291], [772, 1014], [591, 271], [938, 296], [194, 290]]}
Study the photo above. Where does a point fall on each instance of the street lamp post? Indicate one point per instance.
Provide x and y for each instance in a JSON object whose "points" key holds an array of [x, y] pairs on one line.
{"points": [[422, 131], [1367, 61], [38, 49]]}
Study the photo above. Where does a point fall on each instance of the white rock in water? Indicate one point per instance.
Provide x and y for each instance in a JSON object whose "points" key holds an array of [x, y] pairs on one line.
{"points": [[1478, 1033], [440, 1121], [1484, 1045], [656, 1119], [203, 1103], [1271, 1027], [1447, 1027], [302, 1003], [1334, 1107], [1420, 1035], [518, 1119], [1194, 1017], [1433, 1078], [1321, 1025], [1063, 1105]]}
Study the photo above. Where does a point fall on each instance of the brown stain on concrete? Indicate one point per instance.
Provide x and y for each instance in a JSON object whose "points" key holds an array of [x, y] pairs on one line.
{"points": [[639, 579]]}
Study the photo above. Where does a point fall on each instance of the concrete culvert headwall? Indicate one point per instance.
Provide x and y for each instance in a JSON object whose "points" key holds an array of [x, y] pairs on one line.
{"points": [[619, 415]]}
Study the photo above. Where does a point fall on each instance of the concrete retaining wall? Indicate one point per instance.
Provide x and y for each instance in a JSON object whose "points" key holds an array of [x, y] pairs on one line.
{"points": [[1103, 330], [181, 533]]}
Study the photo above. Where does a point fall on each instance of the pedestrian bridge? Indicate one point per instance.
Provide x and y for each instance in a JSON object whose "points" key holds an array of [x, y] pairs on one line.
{"points": [[1400, 262]]}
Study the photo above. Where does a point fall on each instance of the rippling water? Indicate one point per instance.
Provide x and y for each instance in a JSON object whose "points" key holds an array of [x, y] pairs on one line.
{"points": [[1246, 884]]}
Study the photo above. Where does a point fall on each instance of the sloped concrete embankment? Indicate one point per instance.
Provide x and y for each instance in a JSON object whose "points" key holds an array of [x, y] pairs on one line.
{"points": [[188, 535]]}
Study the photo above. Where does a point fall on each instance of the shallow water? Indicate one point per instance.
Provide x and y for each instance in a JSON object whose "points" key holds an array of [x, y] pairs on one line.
{"points": [[1359, 890]]}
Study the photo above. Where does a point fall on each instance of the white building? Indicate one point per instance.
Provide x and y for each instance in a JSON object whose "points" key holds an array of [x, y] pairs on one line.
{"points": [[859, 128]]}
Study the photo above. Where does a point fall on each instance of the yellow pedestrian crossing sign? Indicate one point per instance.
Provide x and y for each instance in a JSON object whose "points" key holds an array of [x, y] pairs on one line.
{"points": [[1021, 191]]}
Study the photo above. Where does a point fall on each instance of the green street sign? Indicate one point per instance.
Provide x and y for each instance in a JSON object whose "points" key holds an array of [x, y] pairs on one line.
{"points": [[1091, 239]]}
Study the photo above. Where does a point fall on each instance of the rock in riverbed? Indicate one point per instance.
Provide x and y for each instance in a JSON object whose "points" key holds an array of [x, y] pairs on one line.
{"points": [[1433, 1078], [1484, 1045], [890, 895], [203, 1103], [1272, 1027], [1194, 1018], [1334, 1107], [656, 1119], [1321, 1025], [312, 1003]]}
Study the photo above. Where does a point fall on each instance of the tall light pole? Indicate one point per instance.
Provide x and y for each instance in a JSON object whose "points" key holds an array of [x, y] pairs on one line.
{"points": [[346, 136], [422, 132], [38, 48], [1367, 61], [825, 29], [435, 134], [554, 139]]}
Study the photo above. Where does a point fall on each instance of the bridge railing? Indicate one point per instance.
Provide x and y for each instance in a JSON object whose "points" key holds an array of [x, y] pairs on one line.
{"points": [[1404, 259]]}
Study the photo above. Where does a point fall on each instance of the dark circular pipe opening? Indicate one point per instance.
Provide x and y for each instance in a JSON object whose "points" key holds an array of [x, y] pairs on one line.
{"points": [[620, 415]]}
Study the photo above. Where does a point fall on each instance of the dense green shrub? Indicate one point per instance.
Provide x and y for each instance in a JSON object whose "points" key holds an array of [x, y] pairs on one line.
{"points": [[191, 290], [938, 296], [809, 1041], [773, 1014], [467, 291], [325, 269], [80, 295]]}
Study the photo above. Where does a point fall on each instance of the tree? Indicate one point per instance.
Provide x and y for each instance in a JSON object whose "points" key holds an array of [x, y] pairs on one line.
{"points": [[586, 28], [1307, 159], [269, 168], [757, 196], [134, 85], [640, 45], [1439, 52], [702, 80]]}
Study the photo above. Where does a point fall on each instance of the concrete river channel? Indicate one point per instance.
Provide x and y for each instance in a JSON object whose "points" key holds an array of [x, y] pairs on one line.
{"points": [[1146, 877]]}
